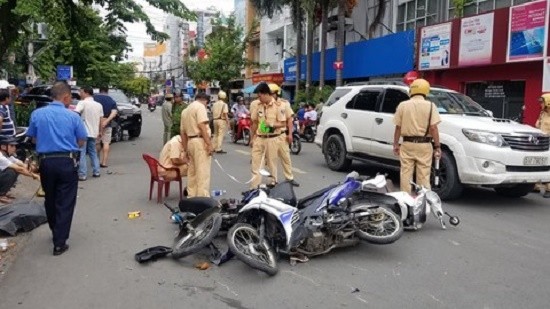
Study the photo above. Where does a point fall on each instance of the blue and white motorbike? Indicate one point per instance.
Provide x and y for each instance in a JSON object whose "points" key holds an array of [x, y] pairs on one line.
{"points": [[275, 222]]}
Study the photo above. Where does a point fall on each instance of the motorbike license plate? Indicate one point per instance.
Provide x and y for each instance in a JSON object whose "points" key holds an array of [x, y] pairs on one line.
{"points": [[530, 161]]}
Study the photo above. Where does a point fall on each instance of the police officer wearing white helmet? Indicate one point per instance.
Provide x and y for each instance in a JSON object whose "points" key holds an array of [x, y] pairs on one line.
{"points": [[416, 123], [220, 110]]}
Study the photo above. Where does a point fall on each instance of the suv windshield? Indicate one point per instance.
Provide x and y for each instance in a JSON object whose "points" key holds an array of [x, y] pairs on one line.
{"points": [[455, 103], [119, 96]]}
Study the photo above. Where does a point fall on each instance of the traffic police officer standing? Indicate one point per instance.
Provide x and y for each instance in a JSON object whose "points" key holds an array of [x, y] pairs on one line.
{"points": [[58, 133], [167, 117], [283, 141], [416, 121], [221, 121], [195, 136], [543, 123], [269, 119]]}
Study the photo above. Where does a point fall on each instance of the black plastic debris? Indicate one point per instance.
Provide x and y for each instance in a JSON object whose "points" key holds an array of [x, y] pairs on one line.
{"points": [[152, 254]]}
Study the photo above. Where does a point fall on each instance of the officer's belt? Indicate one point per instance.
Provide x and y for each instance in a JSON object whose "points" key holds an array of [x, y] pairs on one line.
{"points": [[268, 135], [72, 155], [417, 139], [194, 136]]}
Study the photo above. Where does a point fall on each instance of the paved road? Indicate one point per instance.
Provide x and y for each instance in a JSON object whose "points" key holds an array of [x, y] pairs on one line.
{"points": [[497, 258]]}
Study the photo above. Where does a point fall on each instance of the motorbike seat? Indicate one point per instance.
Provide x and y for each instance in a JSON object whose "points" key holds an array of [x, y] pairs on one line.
{"points": [[374, 184], [197, 205], [304, 202]]}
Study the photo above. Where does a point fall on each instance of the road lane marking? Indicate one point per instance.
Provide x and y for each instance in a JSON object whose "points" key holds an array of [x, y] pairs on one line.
{"points": [[244, 152], [298, 171], [303, 277]]}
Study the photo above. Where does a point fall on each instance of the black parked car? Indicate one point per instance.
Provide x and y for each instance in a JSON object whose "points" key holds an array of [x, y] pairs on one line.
{"points": [[128, 118]]}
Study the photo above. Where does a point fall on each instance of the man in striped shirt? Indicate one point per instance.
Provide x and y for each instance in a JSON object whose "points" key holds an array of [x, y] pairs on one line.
{"points": [[6, 123]]}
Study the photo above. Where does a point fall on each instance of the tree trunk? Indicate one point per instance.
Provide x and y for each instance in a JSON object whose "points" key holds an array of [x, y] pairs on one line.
{"points": [[322, 56], [309, 65], [299, 43], [340, 39]]}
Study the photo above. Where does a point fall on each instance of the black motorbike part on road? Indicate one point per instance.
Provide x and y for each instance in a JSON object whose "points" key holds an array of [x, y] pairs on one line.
{"points": [[152, 254], [197, 233]]}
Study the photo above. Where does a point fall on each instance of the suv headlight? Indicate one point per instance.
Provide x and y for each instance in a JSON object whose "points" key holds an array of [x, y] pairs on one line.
{"points": [[485, 137]]}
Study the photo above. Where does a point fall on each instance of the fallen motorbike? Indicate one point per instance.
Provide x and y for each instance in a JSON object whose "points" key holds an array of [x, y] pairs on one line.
{"points": [[278, 223], [413, 210], [296, 145], [199, 221], [243, 129]]}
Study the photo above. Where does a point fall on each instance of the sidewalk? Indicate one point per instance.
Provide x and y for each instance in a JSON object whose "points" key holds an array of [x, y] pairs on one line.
{"points": [[25, 190]]}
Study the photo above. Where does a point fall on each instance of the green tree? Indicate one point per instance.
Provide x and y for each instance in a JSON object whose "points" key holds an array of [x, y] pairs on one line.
{"points": [[64, 17], [224, 48]]}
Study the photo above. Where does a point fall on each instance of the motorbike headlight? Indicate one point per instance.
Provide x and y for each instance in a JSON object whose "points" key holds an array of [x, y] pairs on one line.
{"points": [[485, 137], [433, 199]]}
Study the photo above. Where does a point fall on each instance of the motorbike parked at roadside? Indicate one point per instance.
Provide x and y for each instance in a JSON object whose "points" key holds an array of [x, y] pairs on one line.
{"points": [[413, 210], [242, 128], [275, 222]]}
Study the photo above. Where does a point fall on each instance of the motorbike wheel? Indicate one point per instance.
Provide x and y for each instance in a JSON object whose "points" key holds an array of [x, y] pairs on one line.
{"points": [[246, 137], [381, 227], [296, 145], [204, 231], [309, 135], [245, 243]]}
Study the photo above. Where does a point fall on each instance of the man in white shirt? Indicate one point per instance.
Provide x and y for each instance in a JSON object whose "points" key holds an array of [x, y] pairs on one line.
{"points": [[10, 167], [91, 113]]}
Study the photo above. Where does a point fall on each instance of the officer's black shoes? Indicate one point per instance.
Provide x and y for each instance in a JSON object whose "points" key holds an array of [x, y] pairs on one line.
{"points": [[221, 152], [294, 183], [60, 250]]}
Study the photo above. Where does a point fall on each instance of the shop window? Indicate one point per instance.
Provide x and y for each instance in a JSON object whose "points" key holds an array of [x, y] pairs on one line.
{"points": [[504, 98], [365, 100], [481, 6], [417, 13], [392, 98]]}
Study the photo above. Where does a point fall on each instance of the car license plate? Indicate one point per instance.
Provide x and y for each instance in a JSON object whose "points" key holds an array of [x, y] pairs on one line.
{"points": [[530, 161]]}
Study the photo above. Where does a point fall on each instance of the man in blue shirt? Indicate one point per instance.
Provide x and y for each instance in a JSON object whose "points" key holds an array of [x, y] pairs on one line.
{"points": [[58, 133], [7, 127], [109, 113]]}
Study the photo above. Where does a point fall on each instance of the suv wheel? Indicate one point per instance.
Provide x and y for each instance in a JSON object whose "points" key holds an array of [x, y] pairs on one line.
{"points": [[516, 191], [117, 134], [449, 184], [335, 152]]}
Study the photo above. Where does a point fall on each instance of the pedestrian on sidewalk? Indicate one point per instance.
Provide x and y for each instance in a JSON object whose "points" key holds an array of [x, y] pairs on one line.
{"points": [[167, 117], [195, 136], [91, 113], [58, 133], [10, 168], [110, 111], [220, 112]]}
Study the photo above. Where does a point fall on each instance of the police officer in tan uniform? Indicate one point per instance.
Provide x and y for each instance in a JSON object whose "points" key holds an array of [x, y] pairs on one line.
{"points": [[195, 136], [285, 140], [416, 122], [221, 121], [543, 123], [269, 120]]}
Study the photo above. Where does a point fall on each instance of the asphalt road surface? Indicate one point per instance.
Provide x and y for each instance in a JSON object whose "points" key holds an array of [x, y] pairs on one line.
{"points": [[498, 257]]}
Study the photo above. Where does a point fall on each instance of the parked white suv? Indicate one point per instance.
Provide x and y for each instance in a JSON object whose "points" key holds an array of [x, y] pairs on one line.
{"points": [[478, 150]]}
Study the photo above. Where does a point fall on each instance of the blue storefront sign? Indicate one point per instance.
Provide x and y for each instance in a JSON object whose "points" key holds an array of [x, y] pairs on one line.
{"points": [[64, 72], [391, 54]]}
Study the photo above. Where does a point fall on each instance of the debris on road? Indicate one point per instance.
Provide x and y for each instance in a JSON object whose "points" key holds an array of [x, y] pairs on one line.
{"points": [[202, 265], [134, 214]]}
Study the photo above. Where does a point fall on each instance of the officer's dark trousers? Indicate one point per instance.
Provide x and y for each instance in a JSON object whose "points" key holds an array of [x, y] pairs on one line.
{"points": [[8, 177], [59, 178]]}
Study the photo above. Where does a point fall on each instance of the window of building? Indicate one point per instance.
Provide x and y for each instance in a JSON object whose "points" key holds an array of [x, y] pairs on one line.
{"points": [[417, 13], [480, 6]]}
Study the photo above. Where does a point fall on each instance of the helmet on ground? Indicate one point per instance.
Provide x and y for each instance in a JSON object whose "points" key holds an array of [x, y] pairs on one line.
{"points": [[274, 88], [222, 95], [419, 86], [545, 100]]}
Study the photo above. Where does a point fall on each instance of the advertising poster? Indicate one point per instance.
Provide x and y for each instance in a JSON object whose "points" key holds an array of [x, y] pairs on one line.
{"points": [[476, 40], [435, 47], [527, 34]]}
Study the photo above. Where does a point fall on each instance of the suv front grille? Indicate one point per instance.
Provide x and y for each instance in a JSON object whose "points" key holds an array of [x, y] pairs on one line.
{"points": [[528, 142]]}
